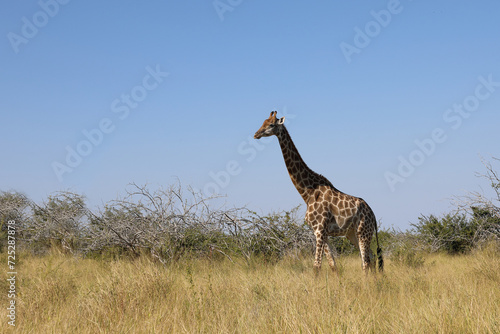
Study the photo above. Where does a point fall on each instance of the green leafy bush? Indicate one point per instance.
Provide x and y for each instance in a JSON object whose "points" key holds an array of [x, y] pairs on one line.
{"points": [[451, 233]]}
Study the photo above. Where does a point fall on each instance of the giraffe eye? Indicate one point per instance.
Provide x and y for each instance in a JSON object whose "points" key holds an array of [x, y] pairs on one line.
{"points": [[272, 125]]}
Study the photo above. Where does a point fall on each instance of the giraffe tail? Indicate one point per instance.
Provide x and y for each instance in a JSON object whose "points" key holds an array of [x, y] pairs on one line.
{"points": [[380, 258]]}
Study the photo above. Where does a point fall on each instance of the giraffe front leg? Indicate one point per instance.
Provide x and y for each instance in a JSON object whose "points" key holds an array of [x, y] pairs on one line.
{"points": [[320, 244], [329, 256]]}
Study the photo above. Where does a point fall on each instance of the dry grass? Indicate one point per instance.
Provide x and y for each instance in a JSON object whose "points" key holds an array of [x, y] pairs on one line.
{"points": [[61, 294]]}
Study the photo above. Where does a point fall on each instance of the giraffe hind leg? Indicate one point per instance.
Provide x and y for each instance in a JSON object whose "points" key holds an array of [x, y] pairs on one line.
{"points": [[365, 255], [364, 235]]}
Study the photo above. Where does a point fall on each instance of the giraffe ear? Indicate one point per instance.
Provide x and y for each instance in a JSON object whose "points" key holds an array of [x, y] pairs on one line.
{"points": [[281, 120]]}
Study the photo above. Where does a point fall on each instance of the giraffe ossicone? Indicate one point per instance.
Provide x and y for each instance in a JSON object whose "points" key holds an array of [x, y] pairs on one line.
{"points": [[330, 212]]}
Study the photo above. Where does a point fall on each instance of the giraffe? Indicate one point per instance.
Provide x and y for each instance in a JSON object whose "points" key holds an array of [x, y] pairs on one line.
{"points": [[330, 212]]}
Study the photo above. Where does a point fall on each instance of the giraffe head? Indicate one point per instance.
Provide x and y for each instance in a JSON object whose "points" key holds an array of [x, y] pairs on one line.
{"points": [[271, 126]]}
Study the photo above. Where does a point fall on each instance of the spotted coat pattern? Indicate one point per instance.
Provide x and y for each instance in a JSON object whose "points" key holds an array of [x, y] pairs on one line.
{"points": [[330, 212]]}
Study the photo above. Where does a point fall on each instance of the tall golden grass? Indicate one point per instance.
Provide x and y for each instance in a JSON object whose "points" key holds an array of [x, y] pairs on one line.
{"points": [[446, 294]]}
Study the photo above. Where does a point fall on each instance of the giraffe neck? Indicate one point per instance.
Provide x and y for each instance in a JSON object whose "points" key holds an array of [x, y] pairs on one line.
{"points": [[303, 178]]}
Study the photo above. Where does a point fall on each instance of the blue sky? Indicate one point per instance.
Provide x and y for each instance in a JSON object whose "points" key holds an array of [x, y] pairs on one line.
{"points": [[393, 101]]}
